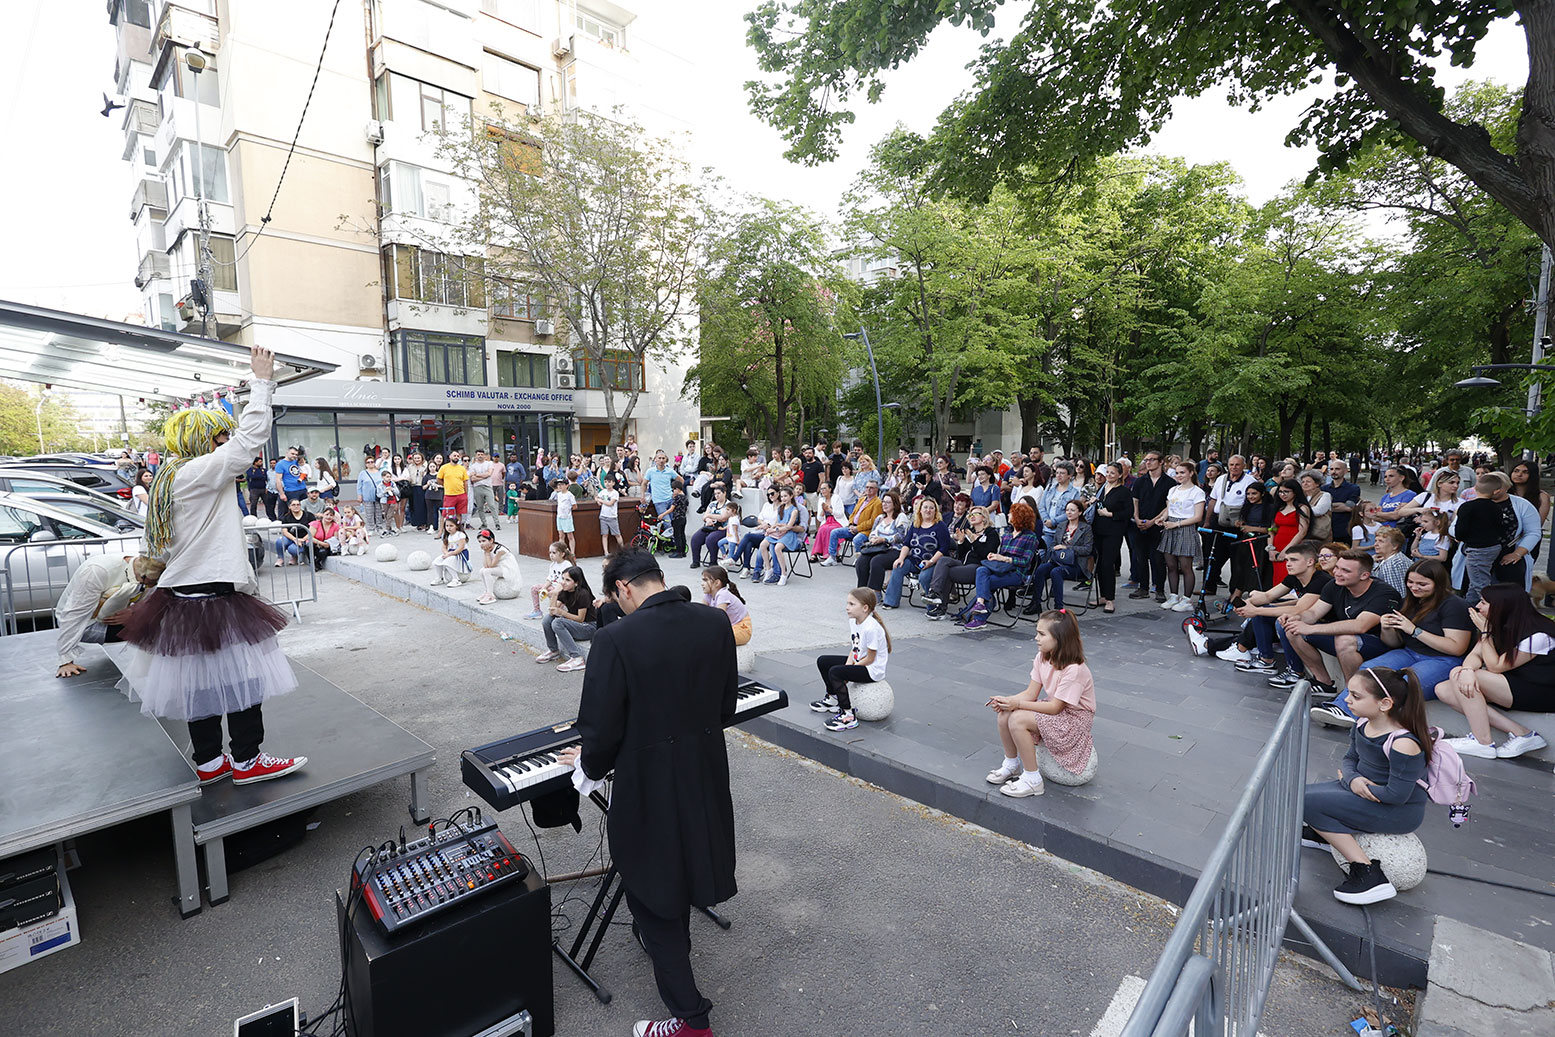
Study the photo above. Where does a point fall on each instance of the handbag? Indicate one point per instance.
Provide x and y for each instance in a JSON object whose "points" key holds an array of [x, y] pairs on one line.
{"points": [[1064, 555]]}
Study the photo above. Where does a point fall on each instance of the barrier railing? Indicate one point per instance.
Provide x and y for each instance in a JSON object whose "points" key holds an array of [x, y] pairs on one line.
{"points": [[33, 575], [1216, 968]]}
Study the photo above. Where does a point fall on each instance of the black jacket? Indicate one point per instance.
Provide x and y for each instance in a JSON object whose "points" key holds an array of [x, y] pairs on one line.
{"points": [[659, 687]]}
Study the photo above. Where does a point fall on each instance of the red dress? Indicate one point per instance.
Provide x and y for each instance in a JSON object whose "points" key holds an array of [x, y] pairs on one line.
{"points": [[1287, 526]]}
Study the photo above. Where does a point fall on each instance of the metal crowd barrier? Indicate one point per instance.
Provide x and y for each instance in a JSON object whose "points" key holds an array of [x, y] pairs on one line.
{"points": [[1215, 970], [33, 575]]}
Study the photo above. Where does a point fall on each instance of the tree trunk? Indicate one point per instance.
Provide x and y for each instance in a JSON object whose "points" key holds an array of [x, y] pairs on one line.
{"points": [[1328, 437], [1030, 422], [1306, 440], [1195, 438]]}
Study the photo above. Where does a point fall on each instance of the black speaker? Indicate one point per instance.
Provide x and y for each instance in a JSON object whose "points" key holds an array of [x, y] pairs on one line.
{"points": [[459, 972]]}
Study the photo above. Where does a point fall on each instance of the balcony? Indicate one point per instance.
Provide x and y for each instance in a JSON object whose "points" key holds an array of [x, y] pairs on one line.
{"points": [[142, 116], [148, 191], [153, 266]]}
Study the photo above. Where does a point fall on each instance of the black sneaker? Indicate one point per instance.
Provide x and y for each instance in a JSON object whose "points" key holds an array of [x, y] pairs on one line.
{"points": [[1366, 884], [936, 613], [1311, 840], [1319, 690], [1257, 665], [1330, 715], [1032, 608], [1285, 679], [825, 705], [930, 599], [1139, 593]]}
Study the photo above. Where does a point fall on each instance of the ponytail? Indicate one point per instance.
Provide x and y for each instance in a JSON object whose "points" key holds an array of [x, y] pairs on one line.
{"points": [[1403, 687], [721, 575]]}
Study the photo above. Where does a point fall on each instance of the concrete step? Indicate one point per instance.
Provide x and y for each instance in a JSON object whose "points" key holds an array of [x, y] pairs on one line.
{"points": [[1484, 983]]}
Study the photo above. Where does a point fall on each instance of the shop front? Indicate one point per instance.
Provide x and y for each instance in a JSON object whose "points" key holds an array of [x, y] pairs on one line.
{"points": [[338, 423]]}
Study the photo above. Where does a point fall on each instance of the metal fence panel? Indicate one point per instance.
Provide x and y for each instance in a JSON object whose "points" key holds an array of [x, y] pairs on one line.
{"points": [[34, 575], [1217, 966]]}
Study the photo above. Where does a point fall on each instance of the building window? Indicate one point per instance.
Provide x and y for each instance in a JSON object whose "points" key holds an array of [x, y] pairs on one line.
{"points": [[599, 28], [138, 12], [224, 264], [509, 79], [428, 356], [524, 370], [182, 80], [425, 276], [619, 369], [180, 174], [525, 13], [381, 107], [439, 108], [516, 152], [516, 301]]}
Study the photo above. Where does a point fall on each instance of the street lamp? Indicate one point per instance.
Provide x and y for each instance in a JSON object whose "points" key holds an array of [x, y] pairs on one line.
{"points": [[879, 407], [37, 412], [197, 64], [1480, 380]]}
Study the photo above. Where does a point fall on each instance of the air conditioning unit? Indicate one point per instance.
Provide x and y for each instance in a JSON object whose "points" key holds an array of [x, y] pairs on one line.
{"points": [[374, 132], [369, 362], [563, 363], [566, 381], [561, 46], [545, 327]]}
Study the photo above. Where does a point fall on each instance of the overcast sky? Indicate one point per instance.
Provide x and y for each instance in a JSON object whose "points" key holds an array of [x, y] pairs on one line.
{"points": [[67, 229]]}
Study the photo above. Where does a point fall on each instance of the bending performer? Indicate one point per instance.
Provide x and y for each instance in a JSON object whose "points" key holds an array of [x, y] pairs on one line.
{"points": [[203, 645]]}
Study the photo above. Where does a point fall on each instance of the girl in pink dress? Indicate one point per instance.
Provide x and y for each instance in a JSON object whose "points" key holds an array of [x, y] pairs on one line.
{"points": [[1055, 710]]}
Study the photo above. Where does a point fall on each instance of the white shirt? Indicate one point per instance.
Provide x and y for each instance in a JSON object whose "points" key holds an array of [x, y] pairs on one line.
{"points": [[564, 502], [83, 595], [1231, 494], [608, 500], [208, 544], [863, 637], [1181, 502], [1537, 644]]}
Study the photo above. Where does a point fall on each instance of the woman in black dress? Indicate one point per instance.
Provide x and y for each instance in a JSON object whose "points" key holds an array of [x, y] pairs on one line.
{"points": [[1114, 514]]}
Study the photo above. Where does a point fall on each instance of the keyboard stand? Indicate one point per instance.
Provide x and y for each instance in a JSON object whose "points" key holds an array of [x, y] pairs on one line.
{"points": [[581, 966]]}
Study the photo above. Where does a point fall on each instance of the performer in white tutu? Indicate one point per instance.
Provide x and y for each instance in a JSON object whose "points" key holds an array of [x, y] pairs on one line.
{"points": [[203, 645]]}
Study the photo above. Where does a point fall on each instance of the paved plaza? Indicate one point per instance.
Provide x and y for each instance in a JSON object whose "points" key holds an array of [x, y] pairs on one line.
{"points": [[859, 913]]}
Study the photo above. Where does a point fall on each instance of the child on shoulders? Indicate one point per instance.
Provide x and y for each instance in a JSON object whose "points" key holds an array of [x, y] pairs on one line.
{"points": [[1055, 710]]}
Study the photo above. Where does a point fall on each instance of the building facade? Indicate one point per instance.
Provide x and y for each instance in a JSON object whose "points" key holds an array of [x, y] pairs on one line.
{"points": [[322, 250]]}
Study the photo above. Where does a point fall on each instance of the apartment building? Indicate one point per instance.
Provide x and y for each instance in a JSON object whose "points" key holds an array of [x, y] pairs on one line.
{"points": [[342, 269]]}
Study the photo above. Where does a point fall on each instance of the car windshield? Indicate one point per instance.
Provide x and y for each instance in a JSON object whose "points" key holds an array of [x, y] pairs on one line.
{"points": [[114, 518]]}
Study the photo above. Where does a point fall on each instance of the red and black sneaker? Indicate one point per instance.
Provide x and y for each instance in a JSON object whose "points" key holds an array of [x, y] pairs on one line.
{"points": [[215, 774], [668, 1028], [264, 767]]}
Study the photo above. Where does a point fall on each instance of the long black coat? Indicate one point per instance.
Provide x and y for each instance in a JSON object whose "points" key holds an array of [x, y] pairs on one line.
{"points": [[659, 687]]}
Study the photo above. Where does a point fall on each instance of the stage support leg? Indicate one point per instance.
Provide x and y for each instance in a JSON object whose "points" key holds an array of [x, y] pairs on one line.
{"points": [[184, 862], [216, 871], [418, 812]]}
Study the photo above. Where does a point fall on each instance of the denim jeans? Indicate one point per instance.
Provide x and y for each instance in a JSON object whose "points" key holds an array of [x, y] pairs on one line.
{"points": [[285, 546], [1371, 647], [893, 587], [747, 547], [563, 634], [989, 581], [1430, 670], [841, 534]]}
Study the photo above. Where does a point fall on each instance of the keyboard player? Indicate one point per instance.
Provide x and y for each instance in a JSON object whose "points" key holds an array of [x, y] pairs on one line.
{"points": [[658, 691]]}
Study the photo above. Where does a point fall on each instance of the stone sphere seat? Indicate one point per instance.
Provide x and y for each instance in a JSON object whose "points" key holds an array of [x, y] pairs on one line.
{"points": [[1402, 856], [386, 553], [1052, 770], [507, 588], [418, 561], [746, 656], [872, 701]]}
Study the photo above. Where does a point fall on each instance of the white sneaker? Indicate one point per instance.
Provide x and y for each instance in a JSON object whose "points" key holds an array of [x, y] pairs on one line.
{"points": [[1519, 744], [1197, 641], [1170, 602], [1023, 786], [1184, 604], [546, 657], [1235, 654], [828, 561], [1004, 773], [783, 580], [435, 583], [1468, 745]]}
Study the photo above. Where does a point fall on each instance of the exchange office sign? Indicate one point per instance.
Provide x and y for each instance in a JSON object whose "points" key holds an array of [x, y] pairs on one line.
{"points": [[416, 396]]}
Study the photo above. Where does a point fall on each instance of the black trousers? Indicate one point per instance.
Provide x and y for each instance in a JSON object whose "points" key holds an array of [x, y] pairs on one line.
{"points": [[1149, 543], [871, 568], [1109, 559], [669, 946], [836, 673], [247, 728]]}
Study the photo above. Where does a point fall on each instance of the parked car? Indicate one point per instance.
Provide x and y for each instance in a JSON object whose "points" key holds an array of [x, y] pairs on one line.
{"points": [[121, 519], [69, 457], [28, 483], [41, 545], [102, 478]]}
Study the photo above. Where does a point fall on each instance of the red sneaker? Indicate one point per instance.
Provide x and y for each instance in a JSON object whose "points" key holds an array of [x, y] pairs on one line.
{"points": [[264, 767], [668, 1028], [224, 770]]}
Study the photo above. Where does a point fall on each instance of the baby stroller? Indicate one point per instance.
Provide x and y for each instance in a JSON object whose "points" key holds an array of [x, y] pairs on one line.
{"points": [[655, 535]]}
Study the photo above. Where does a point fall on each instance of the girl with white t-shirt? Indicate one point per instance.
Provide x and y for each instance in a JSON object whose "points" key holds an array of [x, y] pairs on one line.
{"points": [[1180, 544], [870, 647], [1511, 667]]}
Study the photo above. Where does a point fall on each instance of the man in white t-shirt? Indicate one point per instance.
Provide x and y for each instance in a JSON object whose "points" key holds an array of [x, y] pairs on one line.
{"points": [[1226, 498], [609, 517], [482, 498]]}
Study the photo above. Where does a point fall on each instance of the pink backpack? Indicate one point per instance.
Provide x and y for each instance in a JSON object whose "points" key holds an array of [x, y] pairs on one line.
{"points": [[1445, 781]]}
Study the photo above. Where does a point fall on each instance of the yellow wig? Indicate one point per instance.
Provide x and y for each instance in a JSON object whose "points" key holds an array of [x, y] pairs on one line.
{"points": [[188, 433]]}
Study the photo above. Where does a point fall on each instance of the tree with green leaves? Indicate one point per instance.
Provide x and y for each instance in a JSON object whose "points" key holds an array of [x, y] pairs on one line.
{"points": [[770, 350], [607, 221], [20, 419], [960, 312], [1081, 80]]}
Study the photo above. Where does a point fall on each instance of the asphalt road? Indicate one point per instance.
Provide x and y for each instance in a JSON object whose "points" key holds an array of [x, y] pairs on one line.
{"points": [[859, 913]]}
